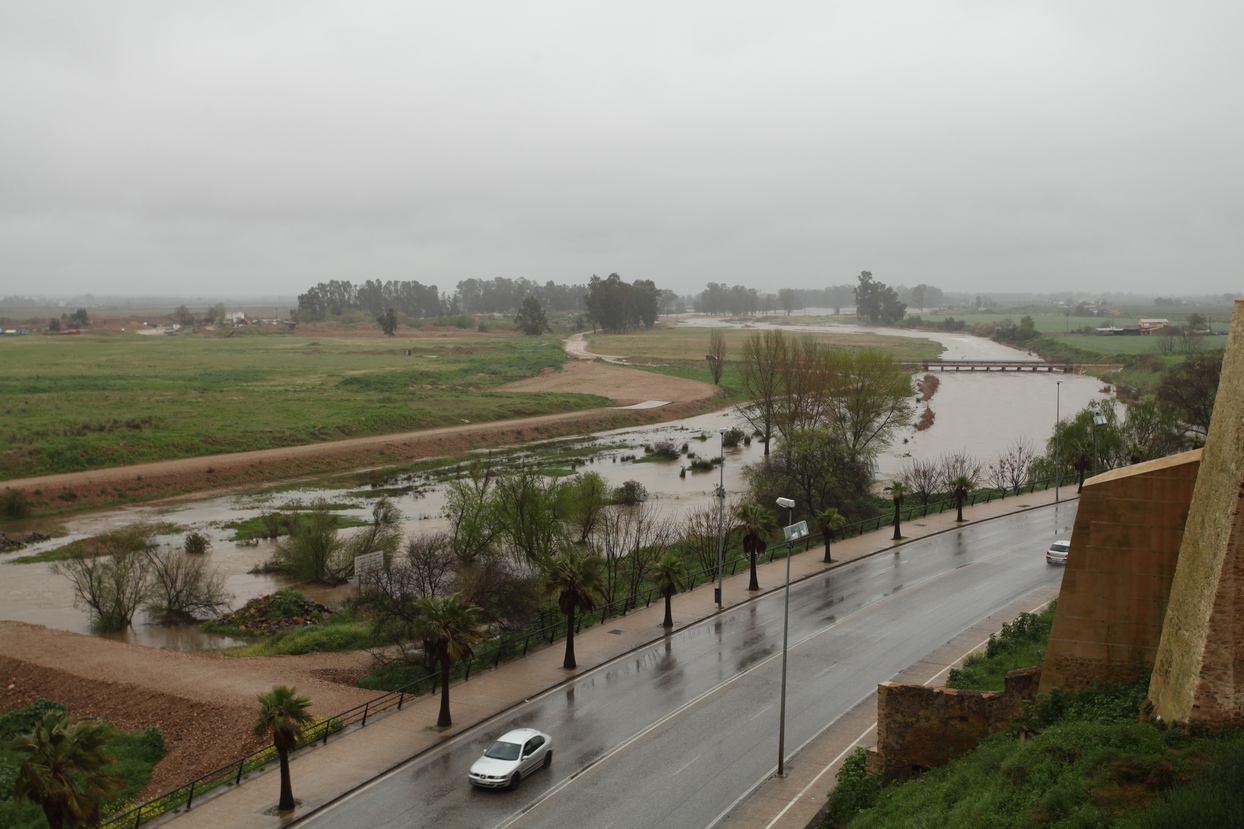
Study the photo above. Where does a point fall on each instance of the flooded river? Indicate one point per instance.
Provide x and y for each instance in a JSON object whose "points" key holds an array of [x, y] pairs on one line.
{"points": [[977, 411]]}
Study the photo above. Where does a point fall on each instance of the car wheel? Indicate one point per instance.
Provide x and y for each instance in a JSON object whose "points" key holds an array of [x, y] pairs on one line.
{"points": [[515, 780], [548, 760]]}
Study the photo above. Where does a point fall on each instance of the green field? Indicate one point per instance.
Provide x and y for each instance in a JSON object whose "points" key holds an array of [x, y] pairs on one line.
{"points": [[74, 403]]}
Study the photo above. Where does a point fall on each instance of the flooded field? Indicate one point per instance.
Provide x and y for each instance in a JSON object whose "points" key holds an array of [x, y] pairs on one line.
{"points": [[980, 412]]}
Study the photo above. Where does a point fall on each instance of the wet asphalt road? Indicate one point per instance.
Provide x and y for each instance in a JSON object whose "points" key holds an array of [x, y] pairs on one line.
{"points": [[675, 734]]}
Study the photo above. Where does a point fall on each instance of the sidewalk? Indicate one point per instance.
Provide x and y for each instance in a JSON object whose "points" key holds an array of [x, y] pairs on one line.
{"points": [[323, 774]]}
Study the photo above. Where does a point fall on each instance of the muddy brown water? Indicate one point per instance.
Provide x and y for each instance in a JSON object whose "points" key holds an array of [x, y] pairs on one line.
{"points": [[980, 412]]}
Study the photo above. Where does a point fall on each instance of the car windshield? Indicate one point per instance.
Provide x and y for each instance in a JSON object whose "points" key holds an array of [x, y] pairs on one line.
{"points": [[503, 751]]}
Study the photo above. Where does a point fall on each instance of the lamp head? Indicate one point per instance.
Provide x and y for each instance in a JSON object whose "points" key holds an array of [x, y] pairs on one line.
{"points": [[786, 502]]}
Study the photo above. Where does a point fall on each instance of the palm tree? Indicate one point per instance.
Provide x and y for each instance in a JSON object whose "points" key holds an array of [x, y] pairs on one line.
{"points": [[450, 630], [575, 577], [757, 526], [830, 521], [960, 487], [61, 767], [282, 715], [897, 490], [669, 575]]}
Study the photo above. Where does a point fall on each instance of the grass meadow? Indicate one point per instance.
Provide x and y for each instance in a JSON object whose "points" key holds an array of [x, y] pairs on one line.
{"points": [[69, 404], [75, 403]]}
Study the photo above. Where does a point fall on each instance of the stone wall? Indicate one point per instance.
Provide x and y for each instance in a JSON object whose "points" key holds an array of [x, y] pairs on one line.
{"points": [[1198, 676], [1124, 547], [922, 727]]}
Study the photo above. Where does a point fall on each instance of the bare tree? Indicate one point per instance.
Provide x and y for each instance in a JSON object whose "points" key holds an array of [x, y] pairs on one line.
{"points": [[764, 355], [112, 578], [183, 588], [1018, 457], [699, 530], [808, 377], [716, 353], [630, 539], [959, 464], [424, 569], [923, 478]]}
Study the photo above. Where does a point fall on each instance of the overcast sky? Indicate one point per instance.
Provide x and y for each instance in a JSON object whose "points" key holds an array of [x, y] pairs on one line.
{"points": [[257, 148]]}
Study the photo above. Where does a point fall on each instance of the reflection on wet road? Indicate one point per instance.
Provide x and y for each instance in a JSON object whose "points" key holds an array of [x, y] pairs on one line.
{"points": [[674, 734]]}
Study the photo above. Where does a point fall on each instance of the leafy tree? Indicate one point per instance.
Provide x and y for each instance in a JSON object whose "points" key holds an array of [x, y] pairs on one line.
{"points": [[788, 299], [527, 507], [183, 316], [585, 497], [473, 527], [918, 295], [871, 401], [817, 469], [1079, 441], [669, 576], [313, 551], [388, 322], [830, 521], [216, 313], [61, 769], [1149, 431], [755, 526], [876, 302], [196, 543], [897, 490], [531, 319], [716, 354], [574, 576], [449, 630], [1190, 388], [79, 318], [54, 324], [283, 713]]}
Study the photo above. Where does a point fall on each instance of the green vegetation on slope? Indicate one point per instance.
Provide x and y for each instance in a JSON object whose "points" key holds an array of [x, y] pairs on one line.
{"points": [[1091, 763], [134, 753]]}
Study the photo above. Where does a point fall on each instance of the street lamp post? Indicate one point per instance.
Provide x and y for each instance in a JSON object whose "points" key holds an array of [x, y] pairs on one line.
{"points": [[1098, 420], [789, 504], [721, 519], [1058, 476]]}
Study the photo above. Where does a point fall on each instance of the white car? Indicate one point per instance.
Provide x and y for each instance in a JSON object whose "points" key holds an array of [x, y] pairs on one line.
{"points": [[516, 755], [1057, 553]]}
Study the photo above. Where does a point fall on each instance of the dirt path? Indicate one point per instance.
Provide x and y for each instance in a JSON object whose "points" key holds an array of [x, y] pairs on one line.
{"points": [[625, 386], [205, 702]]}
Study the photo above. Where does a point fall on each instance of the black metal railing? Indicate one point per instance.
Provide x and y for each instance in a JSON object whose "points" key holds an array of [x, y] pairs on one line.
{"points": [[517, 645]]}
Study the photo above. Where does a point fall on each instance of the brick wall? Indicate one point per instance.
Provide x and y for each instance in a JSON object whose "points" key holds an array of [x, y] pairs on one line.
{"points": [[1117, 581], [921, 727]]}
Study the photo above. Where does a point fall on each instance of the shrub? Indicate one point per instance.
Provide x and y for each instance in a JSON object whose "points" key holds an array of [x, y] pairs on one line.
{"points": [[665, 449], [854, 792], [630, 493], [196, 543], [16, 503]]}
